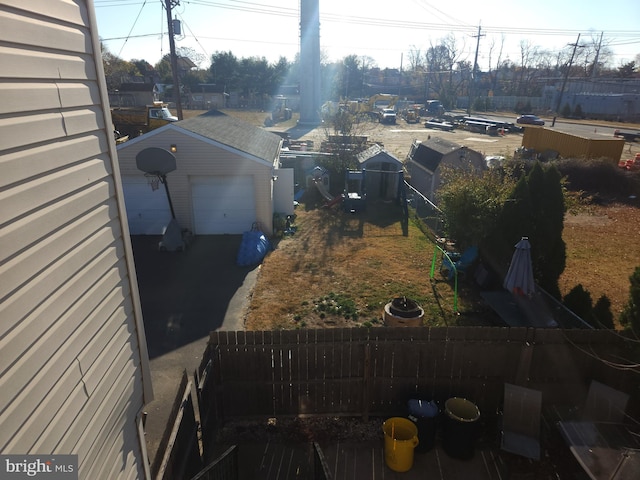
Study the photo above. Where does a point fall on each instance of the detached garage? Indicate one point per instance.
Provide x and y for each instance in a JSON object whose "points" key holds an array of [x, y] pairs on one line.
{"points": [[223, 182]]}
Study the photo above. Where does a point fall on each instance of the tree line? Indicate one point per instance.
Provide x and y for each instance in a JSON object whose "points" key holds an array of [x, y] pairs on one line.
{"points": [[441, 71]]}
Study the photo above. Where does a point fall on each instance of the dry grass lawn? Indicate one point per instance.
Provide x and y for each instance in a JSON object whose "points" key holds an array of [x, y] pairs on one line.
{"points": [[603, 250], [340, 269], [360, 263]]}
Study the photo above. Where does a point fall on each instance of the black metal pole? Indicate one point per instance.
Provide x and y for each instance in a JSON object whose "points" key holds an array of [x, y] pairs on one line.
{"points": [[163, 178]]}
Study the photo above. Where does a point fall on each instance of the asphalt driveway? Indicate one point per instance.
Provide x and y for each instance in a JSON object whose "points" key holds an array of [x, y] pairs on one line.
{"points": [[185, 296]]}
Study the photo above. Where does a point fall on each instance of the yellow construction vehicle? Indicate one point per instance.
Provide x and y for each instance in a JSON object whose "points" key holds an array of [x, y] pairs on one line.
{"points": [[280, 111], [134, 121]]}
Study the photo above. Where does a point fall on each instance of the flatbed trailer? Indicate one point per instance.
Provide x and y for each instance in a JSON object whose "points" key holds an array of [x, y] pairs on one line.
{"points": [[628, 135]]}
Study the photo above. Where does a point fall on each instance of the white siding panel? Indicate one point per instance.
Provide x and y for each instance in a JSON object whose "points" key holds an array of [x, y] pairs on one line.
{"points": [[98, 435], [75, 373], [41, 365], [40, 191], [82, 121], [75, 94], [70, 11], [18, 131], [38, 97], [21, 268], [34, 424], [22, 234], [39, 32], [49, 437], [45, 65], [22, 164], [28, 97], [48, 296]]}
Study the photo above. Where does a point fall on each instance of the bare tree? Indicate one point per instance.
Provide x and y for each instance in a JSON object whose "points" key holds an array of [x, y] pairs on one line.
{"points": [[493, 73], [528, 56], [443, 76], [416, 59]]}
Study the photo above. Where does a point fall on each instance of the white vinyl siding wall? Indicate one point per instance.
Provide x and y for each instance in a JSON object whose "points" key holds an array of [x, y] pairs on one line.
{"points": [[74, 372], [197, 157]]}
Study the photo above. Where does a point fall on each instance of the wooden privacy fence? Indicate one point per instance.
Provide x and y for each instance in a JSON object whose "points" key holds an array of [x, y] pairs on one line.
{"points": [[362, 372], [179, 451]]}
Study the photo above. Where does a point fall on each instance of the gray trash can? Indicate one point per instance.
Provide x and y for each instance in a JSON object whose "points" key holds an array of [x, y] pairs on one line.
{"points": [[460, 427]]}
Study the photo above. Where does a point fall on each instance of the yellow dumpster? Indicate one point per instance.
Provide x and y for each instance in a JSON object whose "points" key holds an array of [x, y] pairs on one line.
{"points": [[400, 438]]}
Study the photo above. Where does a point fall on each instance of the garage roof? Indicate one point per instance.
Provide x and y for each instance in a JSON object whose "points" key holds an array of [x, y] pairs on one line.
{"points": [[234, 133]]}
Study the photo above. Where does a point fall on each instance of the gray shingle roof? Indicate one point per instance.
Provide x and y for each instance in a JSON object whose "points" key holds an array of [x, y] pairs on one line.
{"points": [[430, 153], [234, 133], [376, 151]]}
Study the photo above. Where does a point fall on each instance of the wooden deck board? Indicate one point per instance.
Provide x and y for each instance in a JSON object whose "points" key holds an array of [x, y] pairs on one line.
{"points": [[366, 460], [357, 461]]}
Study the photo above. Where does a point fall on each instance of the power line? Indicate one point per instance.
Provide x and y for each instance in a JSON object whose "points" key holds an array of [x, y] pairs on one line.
{"points": [[132, 27]]}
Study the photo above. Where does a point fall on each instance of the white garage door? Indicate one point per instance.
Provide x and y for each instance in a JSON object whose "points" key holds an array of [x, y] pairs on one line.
{"points": [[223, 205], [148, 211]]}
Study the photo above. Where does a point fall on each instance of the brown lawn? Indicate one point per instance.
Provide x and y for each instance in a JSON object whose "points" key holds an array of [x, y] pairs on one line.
{"points": [[340, 269], [603, 250], [335, 258]]}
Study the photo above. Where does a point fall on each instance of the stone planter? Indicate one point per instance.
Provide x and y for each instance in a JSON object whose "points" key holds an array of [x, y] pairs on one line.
{"points": [[403, 312]]}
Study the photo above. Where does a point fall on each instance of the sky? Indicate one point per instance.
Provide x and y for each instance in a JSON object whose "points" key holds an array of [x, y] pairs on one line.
{"points": [[388, 32]]}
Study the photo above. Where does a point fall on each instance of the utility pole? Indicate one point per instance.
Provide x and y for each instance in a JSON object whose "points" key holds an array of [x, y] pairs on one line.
{"points": [[595, 62], [566, 76], [169, 4], [472, 86]]}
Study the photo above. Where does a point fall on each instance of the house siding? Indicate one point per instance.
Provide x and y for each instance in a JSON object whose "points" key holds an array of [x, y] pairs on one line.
{"points": [[199, 157], [74, 370]]}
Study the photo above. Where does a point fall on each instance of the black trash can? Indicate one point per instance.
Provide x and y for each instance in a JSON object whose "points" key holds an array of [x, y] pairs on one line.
{"points": [[460, 427], [423, 413]]}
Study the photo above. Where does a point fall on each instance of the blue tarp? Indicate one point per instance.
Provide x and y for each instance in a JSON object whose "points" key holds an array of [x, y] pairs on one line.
{"points": [[253, 248]]}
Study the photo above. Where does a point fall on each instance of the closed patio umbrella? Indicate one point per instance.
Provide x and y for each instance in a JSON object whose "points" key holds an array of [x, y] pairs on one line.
{"points": [[519, 278]]}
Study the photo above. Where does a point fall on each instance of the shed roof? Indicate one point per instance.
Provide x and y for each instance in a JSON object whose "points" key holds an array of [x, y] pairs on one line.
{"points": [[375, 151], [430, 153], [234, 133]]}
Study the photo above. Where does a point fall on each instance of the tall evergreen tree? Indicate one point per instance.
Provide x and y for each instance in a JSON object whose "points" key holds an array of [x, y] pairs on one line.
{"points": [[630, 317]]}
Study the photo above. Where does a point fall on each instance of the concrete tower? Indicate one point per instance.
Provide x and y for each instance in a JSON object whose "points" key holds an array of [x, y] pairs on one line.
{"points": [[309, 62]]}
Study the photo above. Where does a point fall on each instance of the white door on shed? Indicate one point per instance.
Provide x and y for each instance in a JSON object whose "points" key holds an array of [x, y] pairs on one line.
{"points": [[223, 205], [148, 211]]}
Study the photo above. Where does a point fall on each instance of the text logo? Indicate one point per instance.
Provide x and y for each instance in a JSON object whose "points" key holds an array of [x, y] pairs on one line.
{"points": [[49, 467]]}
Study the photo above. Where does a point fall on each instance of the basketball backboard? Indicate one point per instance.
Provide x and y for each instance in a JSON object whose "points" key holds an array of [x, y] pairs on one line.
{"points": [[156, 161]]}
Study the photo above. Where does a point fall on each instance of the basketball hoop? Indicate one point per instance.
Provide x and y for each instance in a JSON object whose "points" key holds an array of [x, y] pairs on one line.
{"points": [[153, 180]]}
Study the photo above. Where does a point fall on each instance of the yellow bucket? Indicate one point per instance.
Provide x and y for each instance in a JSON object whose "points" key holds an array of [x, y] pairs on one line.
{"points": [[400, 438]]}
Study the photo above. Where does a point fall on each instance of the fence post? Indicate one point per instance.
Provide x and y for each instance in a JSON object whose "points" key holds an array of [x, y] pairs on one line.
{"points": [[366, 381]]}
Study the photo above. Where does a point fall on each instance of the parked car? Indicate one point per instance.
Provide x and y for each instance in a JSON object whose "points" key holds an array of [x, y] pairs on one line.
{"points": [[529, 120]]}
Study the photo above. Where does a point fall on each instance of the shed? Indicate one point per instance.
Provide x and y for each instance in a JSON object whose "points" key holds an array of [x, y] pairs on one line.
{"points": [[223, 183], [425, 160], [384, 173]]}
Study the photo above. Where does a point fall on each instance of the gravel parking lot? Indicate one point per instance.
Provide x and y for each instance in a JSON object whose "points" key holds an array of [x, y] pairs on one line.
{"points": [[397, 139]]}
